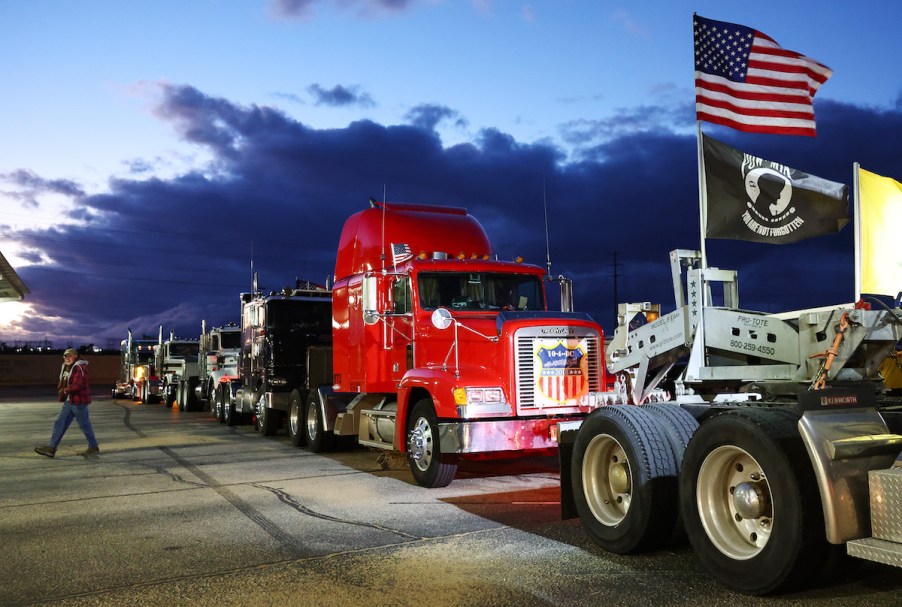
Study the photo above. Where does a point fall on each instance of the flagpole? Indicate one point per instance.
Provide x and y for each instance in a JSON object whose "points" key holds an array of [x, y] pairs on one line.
{"points": [[702, 202], [856, 215]]}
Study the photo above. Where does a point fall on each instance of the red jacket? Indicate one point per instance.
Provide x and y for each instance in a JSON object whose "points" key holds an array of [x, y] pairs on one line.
{"points": [[78, 388]]}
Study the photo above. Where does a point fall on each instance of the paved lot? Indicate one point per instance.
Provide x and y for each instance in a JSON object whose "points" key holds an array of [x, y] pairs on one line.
{"points": [[180, 510]]}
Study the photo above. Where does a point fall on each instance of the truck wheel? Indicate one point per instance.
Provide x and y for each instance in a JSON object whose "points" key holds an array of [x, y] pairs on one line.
{"points": [[217, 404], [229, 415], [296, 420], [180, 399], [209, 397], [317, 437], [678, 424], [190, 396], [267, 421], [431, 468], [625, 479], [751, 503]]}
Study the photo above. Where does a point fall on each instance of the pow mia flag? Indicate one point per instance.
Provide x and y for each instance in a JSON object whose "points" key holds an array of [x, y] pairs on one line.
{"points": [[749, 198]]}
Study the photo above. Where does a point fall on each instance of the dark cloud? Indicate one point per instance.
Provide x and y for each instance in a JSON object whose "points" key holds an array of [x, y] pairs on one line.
{"points": [[274, 199], [29, 186], [427, 116], [340, 96]]}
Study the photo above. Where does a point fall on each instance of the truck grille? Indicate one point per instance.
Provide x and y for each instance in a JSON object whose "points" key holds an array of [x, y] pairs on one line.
{"points": [[528, 367]]}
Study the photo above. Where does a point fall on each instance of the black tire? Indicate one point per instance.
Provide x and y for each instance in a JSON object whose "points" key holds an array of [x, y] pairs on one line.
{"points": [[180, 401], [169, 396], [430, 467], [151, 399], [268, 420], [229, 416], [189, 393], [772, 541], [679, 425], [625, 479], [318, 439], [296, 420], [209, 397], [217, 403]]}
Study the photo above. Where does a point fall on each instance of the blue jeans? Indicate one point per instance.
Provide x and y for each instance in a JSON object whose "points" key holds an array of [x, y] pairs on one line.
{"points": [[69, 412]]}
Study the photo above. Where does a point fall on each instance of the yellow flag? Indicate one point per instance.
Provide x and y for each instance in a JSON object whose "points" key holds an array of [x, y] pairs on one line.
{"points": [[880, 214]]}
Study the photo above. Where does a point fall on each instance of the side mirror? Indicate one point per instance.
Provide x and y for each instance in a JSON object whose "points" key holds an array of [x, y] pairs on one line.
{"points": [[441, 318], [370, 313]]}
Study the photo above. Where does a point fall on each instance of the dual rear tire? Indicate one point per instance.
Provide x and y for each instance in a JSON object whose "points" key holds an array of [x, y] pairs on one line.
{"points": [[742, 487]]}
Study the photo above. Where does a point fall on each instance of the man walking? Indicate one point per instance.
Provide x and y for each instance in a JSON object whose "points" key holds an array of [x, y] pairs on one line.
{"points": [[75, 394]]}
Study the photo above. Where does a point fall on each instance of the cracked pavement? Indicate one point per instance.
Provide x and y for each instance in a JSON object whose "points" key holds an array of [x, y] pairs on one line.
{"points": [[179, 509]]}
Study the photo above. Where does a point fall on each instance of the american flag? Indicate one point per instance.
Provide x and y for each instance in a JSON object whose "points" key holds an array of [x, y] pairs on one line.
{"points": [[400, 253], [745, 80]]}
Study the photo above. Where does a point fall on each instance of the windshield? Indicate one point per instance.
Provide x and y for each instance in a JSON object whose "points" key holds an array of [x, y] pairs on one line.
{"points": [[480, 291], [188, 351], [229, 340], [144, 352], [308, 317]]}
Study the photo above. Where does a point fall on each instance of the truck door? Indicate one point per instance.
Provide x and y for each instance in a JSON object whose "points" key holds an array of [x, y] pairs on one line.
{"points": [[400, 327]]}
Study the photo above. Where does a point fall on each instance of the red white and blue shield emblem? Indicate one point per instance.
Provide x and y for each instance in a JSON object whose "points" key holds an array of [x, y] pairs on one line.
{"points": [[563, 371]]}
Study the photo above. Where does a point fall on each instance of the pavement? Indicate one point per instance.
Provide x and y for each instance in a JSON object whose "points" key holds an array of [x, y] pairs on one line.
{"points": [[178, 509]]}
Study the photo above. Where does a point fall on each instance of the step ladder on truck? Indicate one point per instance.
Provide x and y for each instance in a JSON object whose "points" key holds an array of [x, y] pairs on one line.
{"points": [[778, 453]]}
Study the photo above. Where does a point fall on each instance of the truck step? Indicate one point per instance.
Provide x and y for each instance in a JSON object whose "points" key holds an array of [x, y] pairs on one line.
{"points": [[877, 551], [376, 444], [886, 504]]}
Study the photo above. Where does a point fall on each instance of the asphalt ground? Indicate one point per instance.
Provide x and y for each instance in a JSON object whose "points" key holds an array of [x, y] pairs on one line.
{"points": [[180, 510]]}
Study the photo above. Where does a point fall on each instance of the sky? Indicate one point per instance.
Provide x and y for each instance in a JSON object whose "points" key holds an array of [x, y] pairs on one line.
{"points": [[153, 155]]}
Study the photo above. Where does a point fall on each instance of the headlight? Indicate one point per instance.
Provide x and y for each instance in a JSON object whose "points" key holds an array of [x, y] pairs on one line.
{"points": [[478, 396]]}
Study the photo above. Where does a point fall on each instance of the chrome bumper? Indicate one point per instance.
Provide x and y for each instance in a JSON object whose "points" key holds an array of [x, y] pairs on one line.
{"points": [[502, 435]]}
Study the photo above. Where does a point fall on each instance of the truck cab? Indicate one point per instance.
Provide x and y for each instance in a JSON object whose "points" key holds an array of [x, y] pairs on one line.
{"points": [[218, 366], [176, 359], [443, 350], [137, 371], [280, 334]]}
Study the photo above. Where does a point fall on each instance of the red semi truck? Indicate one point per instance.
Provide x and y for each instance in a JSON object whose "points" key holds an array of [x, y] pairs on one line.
{"points": [[441, 350]]}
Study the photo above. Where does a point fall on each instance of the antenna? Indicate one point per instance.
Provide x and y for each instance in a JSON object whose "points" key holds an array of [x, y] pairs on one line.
{"points": [[382, 248], [547, 245]]}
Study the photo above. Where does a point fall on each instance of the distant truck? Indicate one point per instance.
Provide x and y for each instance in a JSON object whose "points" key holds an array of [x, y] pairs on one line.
{"points": [[217, 367], [137, 379], [284, 350], [440, 350], [176, 359]]}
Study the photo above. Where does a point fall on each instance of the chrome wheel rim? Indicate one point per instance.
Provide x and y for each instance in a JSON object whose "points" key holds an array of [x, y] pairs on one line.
{"points": [[420, 444], [607, 480], [735, 502]]}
